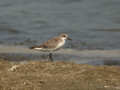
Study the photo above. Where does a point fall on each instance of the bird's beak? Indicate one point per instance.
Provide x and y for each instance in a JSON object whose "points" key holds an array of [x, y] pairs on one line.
{"points": [[69, 38]]}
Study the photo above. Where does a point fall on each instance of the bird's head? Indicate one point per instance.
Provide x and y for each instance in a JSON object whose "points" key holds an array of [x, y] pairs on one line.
{"points": [[65, 36]]}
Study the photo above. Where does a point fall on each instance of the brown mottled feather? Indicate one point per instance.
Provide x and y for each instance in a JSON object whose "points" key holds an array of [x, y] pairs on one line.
{"points": [[49, 44]]}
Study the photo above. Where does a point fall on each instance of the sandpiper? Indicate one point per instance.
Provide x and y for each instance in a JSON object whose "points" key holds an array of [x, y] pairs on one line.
{"points": [[52, 45]]}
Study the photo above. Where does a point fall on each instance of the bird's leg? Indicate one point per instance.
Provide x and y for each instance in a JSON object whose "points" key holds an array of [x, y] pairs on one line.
{"points": [[50, 57]]}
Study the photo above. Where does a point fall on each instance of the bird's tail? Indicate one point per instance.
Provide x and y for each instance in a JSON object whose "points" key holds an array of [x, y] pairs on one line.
{"points": [[33, 47]]}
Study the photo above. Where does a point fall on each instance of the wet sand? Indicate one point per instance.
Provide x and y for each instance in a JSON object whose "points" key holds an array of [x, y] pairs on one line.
{"points": [[93, 57]]}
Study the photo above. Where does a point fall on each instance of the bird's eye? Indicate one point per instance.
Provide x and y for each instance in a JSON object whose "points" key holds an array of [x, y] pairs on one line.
{"points": [[64, 36]]}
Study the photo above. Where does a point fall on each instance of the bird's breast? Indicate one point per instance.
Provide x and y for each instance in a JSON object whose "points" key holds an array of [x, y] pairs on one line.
{"points": [[61, 44]]}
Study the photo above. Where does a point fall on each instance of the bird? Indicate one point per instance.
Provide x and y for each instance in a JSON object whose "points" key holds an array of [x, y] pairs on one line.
{"points": [[52, 44]]}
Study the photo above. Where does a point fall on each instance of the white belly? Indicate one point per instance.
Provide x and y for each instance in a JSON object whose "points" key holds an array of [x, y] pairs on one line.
{"points": [[60, 44]]}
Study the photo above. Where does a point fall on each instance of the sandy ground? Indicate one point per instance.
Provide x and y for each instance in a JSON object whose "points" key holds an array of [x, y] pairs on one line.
{"points": [[44, 75]]}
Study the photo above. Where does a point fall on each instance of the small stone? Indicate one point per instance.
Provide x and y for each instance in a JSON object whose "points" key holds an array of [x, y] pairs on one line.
{"points": [[13, 68]]}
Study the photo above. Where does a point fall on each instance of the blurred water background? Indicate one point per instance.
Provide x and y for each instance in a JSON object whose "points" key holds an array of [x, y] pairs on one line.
{"points": [[92, 24]]}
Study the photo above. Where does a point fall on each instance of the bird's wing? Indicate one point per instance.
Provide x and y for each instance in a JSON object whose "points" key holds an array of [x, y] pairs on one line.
{"points": [[51, 43]]}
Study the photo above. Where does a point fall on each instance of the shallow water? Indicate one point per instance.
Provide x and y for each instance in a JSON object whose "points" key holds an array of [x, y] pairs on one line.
{"points": [[92, 24]]}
